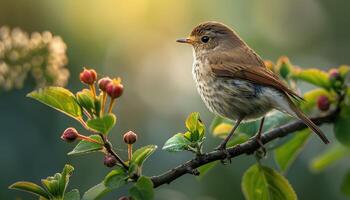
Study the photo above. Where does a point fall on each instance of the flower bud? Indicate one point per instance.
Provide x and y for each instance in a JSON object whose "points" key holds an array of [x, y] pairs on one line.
{"points": [[323, 103], [109, 160], [115, 89], [124, 198], [334, 75], [88, 76], [130, 137], [70, 134], [103, 83]]}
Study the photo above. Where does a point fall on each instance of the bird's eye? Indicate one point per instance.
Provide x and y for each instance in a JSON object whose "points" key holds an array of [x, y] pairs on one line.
{"points": [[205, 39]]}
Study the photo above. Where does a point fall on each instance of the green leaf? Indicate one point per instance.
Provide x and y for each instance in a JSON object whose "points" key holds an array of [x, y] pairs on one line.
{"points": [[103, 124], [191, 121], [263, 183], [313, 76], [87, 147], [64, 180], [58, 98], [141, 154], [86, 100], [30, 187], [341, 126], [345, 186], [204, 169], [176, 143], [96, 192], [329, 157], [287, 153], [195, 127], [116, 178], [72, 195], [143, 189]]}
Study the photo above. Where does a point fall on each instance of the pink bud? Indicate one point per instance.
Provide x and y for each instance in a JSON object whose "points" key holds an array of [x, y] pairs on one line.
{"points": [[109, 160], [114, 89], [323, 103], [130, 137], [70, 134], [103, 83], [88, 76]]}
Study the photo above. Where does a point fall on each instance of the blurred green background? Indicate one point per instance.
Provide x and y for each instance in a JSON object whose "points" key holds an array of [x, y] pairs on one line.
{"points": [[135, 40]]}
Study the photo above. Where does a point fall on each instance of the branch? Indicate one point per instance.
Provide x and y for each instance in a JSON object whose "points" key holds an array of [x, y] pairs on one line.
{"points": [[248, 147]]}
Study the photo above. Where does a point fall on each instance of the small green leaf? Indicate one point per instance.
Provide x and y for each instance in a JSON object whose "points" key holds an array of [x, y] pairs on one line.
{"points": [[176, 143], [329, 157], [263, 183], [141, 154], [72, 195], [191, 121], [116, 178], [287, 153], [64, 180], [313, 76], [30, 187], [86, 100], [143, 189], [195, 126], [96, 192], [58, 98], [341, 126], [103, 124], [345, 186], [204, 169], [87, 147]]}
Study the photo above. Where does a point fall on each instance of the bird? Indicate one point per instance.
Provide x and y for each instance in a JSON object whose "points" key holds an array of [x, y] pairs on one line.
{"points": [[234, 82]]}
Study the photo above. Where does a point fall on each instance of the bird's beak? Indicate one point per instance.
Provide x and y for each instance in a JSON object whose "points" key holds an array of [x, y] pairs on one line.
{"points": [[186, 40]]}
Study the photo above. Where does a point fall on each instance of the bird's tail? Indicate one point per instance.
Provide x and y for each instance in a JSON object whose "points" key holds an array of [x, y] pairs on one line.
{"points": [[308, 122]]}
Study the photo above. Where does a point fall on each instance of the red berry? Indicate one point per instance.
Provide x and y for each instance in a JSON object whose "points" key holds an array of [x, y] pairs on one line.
{"points": [[323, 103], [70, 134], [115, 89], [109, 160], [103, 83], [88, 76], [130, 137]]}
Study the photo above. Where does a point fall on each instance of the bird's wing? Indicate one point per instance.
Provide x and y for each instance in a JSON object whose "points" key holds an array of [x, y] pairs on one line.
{"points": [[247, 66]]}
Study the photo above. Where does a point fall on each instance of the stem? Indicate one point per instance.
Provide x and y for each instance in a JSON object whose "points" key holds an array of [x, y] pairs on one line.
{"points": [[108, 147], [104, 99], [129, 151], [83, 137], [111, 104], [93, 91]]}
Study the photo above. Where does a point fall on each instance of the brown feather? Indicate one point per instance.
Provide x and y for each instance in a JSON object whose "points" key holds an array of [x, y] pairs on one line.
{"points": [[243, 63]]}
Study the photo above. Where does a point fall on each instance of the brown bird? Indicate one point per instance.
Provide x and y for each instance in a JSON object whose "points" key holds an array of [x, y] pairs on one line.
{"points": [[233, 81]]}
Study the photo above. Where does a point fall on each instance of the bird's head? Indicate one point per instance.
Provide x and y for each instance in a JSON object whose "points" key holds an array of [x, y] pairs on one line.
{"points": [[211, 36]]}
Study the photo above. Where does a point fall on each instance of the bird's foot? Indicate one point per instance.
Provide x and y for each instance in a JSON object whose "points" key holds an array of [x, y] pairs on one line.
{"points": [[222, 148], [261, 152]]}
